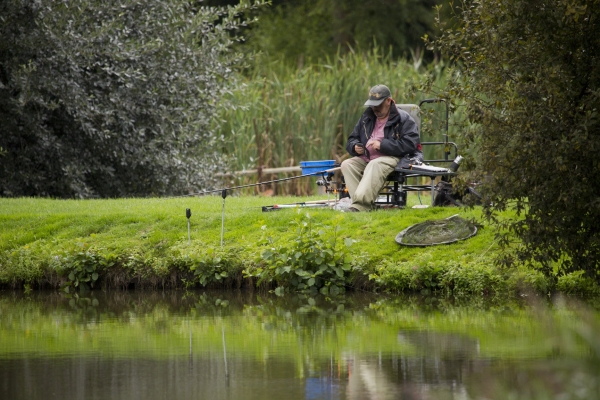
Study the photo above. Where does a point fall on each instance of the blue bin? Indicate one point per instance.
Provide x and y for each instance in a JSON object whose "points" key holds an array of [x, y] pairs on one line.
{"points": [[312, 167]]}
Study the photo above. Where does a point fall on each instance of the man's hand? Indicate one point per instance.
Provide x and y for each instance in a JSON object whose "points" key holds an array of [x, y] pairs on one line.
{"points": [[359, 149], [375, 144]]}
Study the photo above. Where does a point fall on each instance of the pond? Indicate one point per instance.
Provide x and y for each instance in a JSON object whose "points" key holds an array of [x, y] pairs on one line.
{"points": [[252, 345]]}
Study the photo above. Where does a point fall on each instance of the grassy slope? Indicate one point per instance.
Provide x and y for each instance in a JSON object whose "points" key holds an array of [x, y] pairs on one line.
{"points": [[147, 238], [151, 224]]}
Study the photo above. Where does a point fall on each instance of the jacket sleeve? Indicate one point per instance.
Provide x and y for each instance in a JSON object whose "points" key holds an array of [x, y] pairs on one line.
{"points": [[403, 139], [354, 138]]}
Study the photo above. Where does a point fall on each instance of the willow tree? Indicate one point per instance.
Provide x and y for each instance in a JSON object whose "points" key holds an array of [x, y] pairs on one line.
{"points": [[112, 98], [528, 73]]}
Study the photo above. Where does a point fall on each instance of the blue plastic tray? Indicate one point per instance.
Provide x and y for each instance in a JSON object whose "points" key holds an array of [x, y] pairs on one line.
{"points": [[311, 167]]}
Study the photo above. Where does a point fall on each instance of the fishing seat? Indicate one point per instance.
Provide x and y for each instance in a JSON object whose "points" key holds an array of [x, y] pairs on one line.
{"points": [[416, 173]]}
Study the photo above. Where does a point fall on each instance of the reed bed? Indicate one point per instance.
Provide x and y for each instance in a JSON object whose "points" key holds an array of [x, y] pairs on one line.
{"points": [[286, 115]]}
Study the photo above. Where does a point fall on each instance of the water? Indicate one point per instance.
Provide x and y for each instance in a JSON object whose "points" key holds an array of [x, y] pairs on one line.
{"points": [[240, 345]]}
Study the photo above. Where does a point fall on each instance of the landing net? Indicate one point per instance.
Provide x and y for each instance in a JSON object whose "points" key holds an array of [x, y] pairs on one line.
{"points": [[431, 233]]}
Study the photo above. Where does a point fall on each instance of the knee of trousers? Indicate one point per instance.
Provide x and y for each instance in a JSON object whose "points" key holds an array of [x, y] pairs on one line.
{"points": [[344, 165], [379, 169], [352, 167]]}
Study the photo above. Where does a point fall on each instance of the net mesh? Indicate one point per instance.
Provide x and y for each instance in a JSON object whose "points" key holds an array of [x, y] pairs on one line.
{"points": [[443, 231]]}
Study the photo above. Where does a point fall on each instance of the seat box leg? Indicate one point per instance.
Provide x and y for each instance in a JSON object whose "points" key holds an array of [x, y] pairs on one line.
{"points": [[399, 195]]}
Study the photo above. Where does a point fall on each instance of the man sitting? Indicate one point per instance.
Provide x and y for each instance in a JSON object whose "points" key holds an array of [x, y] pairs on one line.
{"points": [[382, 136]]}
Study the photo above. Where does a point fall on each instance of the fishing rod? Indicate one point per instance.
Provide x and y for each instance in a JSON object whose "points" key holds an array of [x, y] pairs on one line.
{"points": [[326, 171]]}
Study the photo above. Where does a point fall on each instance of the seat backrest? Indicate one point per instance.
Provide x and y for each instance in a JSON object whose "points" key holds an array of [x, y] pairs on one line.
{"points": [[414, 112], [446, 146]]}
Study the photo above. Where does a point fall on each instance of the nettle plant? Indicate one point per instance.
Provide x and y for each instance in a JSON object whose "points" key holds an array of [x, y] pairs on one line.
{"points": [[311, 262]]}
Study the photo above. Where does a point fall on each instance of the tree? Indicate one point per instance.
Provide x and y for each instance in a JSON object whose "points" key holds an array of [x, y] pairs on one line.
{"points": [[528, 73], [301, 30], [111, 98]]}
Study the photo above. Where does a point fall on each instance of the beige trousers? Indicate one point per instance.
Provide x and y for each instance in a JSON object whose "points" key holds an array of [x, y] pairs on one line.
{"points": [[365, 180]]}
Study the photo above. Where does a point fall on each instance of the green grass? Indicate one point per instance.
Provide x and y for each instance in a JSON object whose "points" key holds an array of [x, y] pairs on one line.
{"points": [[144, 243]]}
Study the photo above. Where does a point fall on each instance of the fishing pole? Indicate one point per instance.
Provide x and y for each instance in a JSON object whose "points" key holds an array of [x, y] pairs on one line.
{"points": [[327, 171]]}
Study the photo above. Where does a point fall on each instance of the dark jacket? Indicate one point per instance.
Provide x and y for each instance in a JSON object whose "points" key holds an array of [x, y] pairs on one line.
{"points": [[401, 133]]}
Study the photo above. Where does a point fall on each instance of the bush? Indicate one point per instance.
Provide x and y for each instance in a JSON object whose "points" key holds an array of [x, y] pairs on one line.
{"points": [[576, 283], [109, 98], [473, 279], [22, 266], [309, 262], [210, 266]]}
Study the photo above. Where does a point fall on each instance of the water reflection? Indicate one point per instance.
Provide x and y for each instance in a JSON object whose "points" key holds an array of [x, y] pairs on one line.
{"points": [[249, 345]]}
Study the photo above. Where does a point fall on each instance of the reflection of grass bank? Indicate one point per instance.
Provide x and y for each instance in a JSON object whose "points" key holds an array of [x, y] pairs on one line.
{"points": [[482, 348], [159, 325], [143, 243]]}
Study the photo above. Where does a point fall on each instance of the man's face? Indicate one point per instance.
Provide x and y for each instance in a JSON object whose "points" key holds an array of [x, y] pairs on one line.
{"points": [[382, 110]]}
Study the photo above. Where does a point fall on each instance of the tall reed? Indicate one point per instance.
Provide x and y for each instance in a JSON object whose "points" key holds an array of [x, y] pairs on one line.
{"points": [[286, 115]]}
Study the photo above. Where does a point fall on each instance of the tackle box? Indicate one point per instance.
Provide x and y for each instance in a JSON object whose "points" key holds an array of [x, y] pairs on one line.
{"points": [[312, 167]]}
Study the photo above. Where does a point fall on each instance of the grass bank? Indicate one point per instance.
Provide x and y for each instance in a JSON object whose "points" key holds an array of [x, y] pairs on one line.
{"points": [[143, 243]]}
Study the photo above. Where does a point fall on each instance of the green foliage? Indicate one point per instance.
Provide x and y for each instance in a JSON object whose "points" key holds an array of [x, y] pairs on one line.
{"points": [[443, 276], [21, 265], [82, 267], [426, 278], [309, 262], [529, 278], [576, 283], [106, 98], [298, 31], [473, 279], [528, 74], [211, 266]]}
